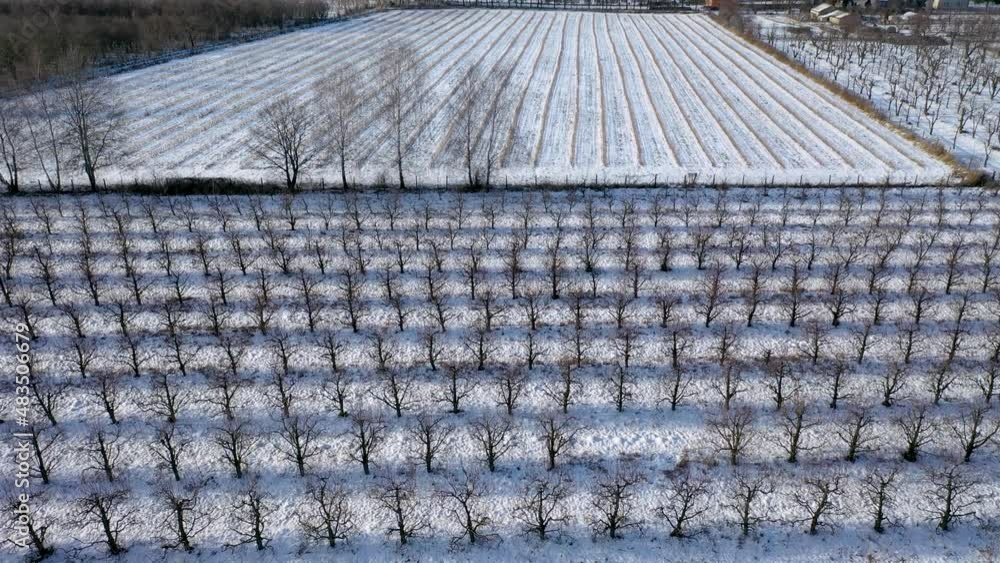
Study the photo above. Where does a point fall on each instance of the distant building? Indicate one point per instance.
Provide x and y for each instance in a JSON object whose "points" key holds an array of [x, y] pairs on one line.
{"points": [[821, 10], [844, 19], [950, 4]]}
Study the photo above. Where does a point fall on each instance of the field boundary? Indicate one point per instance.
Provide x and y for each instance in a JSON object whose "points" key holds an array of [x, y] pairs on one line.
{"points": [[192, 186], [968, 176]]}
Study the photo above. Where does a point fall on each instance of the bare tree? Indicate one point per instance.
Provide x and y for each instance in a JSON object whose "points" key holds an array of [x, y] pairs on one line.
{"points": [[879, 493], [401, 92], [13, 143], [684, 502], [237, 441], [250, 511], [819, 498], [94, 118], [283, 138], [541, 506], [734, 432], [856, 430], [917, 431], [32, 514], [394, 389], [557, 433], [431, 434], [746, 492], [46, 445], [456, 387], [564, 386], [183, 512], [613, 502], [397, 496], [793, 426], [509, 384], [974, 429], [169, 445], [48, 135], [465, 494], [107, 508], [326, 515], [297, 442], [952, 498], [103, 451], [368, 432], [343, 105], [482, 111], [494, 434]]}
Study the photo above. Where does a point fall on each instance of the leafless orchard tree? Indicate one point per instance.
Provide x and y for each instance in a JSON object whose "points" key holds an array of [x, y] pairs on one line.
{"points": [[250, 513], [400, 79], [170, 445], [541, 505], [819, 497], [343, 103], [466, 493], [495, 437], [431, 434], [39, 545], [103, 451], [557, 433], [684, 502], [953, 496], [297, 440], [367, 432], [237, 441], [879, 490], [327, 516], [745, 493], [284, 138], [734, 432], [397, 496], [93, 116], [184, 513], [612, 501], [856, 430], [108, 510], [975, 429], [482, 111]]}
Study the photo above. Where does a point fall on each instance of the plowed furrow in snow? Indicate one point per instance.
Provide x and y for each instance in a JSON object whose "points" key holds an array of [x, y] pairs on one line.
{"points": [[621, 143], [534, 55], [750, 148], [556, 119], [223, 89], [841, 113], [299, 84], [656, 149], [678, 117], [500, 58], [534, 108], [589, 147], [842, 132], [241, 61], [230, 108], [443, 80]]}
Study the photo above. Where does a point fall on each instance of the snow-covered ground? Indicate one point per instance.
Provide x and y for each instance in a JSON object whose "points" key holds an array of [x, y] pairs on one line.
{"points": [[600, 98], [153, 330], [949, 80]]}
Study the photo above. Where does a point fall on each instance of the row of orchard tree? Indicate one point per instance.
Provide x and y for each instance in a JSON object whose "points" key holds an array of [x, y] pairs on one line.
{"points": [[81, 127], [388, 104]]}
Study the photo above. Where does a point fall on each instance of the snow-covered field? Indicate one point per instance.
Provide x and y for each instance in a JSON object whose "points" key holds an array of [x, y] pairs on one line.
{"points": [[165, 314], [610, 98], [949, 93]]}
